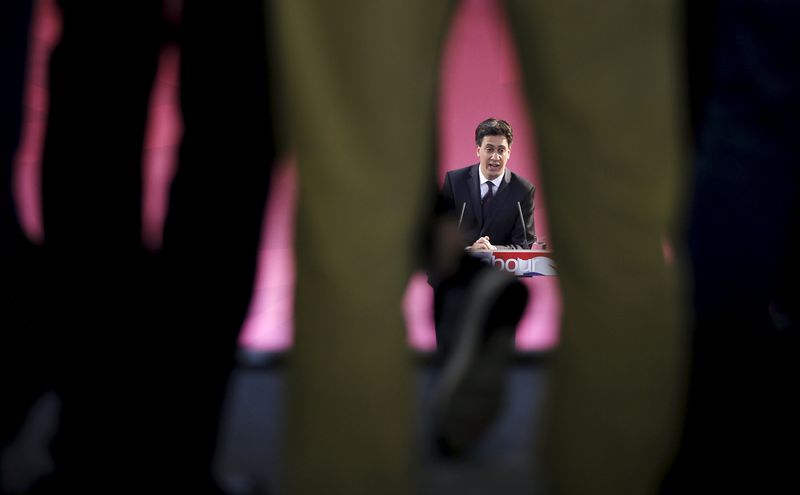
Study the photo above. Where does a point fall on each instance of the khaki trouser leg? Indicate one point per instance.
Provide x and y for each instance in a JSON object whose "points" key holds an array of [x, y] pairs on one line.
{"points": [[602, 79], [361, 79]]}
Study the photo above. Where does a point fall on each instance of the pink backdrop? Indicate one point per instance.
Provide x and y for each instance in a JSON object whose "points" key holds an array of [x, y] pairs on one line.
{"points": [[479, 79]]}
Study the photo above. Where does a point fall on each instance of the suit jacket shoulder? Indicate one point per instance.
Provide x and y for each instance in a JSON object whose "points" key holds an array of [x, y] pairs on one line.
{"points": [[462, 173], [523, 182]]}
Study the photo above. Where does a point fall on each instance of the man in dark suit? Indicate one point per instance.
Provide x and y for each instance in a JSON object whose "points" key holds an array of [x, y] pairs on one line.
{"points": [[491, 201], [477, 308]]}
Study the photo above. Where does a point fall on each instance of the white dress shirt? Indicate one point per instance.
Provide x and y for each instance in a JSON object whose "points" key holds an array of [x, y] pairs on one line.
{"points": [[484, 180]]}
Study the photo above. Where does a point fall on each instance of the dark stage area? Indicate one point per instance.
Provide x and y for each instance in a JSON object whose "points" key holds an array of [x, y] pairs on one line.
{"points": [[249, 456]]}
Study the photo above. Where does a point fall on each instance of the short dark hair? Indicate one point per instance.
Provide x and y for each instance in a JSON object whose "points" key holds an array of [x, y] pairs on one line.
{"points": [[493, 127]]}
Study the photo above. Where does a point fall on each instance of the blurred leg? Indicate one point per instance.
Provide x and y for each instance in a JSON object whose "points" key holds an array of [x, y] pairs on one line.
{"points": [[101, 72], [214, 222], [22, 376], [602, 86], [743, 241], [361, 81]]}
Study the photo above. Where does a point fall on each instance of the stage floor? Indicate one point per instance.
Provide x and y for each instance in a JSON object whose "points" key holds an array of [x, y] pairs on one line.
{"points": [[249, 457]]}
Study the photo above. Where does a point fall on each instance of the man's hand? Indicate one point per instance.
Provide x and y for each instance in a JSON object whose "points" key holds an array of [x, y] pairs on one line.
{"points": [[482, 244]]}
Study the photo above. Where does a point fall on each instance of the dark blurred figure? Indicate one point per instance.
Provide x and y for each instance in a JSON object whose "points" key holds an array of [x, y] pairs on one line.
{"points": [[22, 372], [140, 344], [742, 416]]}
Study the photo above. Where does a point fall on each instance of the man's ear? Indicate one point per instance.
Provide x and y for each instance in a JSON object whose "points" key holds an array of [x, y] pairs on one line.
{"points": [[478, 151]]}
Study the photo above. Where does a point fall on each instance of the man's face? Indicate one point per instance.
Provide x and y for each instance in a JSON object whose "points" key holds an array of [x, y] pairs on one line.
{"points": [[493, 153]]}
